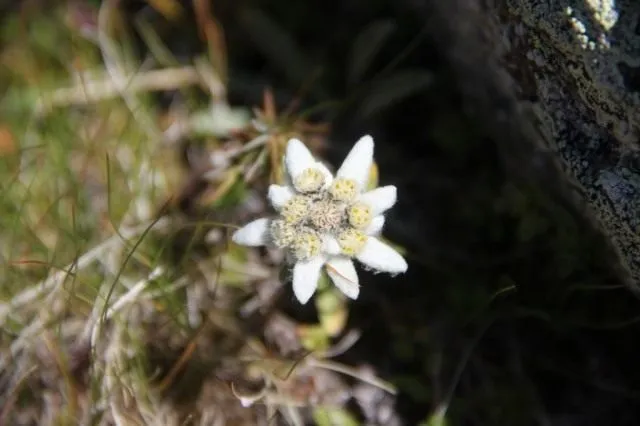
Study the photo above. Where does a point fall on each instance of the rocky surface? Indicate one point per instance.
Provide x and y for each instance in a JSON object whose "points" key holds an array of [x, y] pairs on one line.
{"points": [[557, 85]]}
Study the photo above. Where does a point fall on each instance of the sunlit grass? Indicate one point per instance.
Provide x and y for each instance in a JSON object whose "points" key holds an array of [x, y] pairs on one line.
{"points": [[111, 291], [82, 185]]}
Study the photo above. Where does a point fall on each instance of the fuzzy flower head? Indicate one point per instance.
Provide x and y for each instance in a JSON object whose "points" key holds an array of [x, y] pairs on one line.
{"points": [[327, 221]]}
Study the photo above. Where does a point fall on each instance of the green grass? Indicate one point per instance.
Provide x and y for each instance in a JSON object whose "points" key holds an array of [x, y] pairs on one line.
{"points": [[118, 306]]}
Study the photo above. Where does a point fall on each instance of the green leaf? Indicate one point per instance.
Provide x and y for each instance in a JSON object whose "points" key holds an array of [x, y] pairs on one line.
{"points": [[389, 91], [331, 306], [326, 416], [236, 193], [314, 338], [530, 226], [219, 120], [276, 45], [437, 419], [365, 48], [373, 181], [403, 251]]}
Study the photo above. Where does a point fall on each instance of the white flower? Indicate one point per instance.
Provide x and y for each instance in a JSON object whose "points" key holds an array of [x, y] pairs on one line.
{"points": [[327, 221]]}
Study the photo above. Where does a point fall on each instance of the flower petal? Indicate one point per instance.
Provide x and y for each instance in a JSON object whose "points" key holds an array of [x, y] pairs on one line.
{"points": [[381, 257], [253, 234], [305, 278], [375, 227], [380, 199], [279, 195], [344, 276], [358, 162], [298, 158], [330, 245], [327, 173]]}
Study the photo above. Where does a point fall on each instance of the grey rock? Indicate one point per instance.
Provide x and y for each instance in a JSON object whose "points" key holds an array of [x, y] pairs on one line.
{"points": [[557, 84]]}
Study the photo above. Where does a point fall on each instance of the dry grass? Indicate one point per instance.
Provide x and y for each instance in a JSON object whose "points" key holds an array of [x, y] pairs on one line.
{"points": [[121, 299]]}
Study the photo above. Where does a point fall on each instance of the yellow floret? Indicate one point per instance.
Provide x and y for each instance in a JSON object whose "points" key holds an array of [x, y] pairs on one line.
{"points": [[282, 233], [343, 189], [296, 209], [360, 215], [306, 245], [352, 241], [310, 180]]}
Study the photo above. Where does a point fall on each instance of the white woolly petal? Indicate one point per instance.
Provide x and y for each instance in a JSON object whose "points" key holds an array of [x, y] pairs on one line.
{"points": [[358, 162], [305, 278], [381, 257], [380, 199], [376, 225], [298, 158], [279, 195], [330, 245], [253, 234], [327, 173], [344, 276]]}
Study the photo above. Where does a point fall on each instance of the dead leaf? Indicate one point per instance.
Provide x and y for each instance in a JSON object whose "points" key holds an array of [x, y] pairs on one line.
{"points": [[7, 142]]}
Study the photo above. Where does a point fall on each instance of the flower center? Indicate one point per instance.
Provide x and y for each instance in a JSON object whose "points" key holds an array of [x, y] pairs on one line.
{"points": [[317, 212], [326, 216]]}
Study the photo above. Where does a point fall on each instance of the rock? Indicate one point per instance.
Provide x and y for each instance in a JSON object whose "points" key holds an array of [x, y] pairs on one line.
{"points": [[557, 86]]}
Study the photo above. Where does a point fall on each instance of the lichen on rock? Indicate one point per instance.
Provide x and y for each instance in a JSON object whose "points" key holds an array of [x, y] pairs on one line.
{"points": [[583, 57], [565, 75]]}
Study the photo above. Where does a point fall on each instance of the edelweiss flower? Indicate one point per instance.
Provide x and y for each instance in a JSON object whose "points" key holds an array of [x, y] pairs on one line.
{"points": [[327, 221]]}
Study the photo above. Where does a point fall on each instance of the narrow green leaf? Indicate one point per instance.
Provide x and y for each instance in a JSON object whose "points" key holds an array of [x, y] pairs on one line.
{"points": [[393, 89], [327, 416], [365, 48], [276, 45], [438, 419]]}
